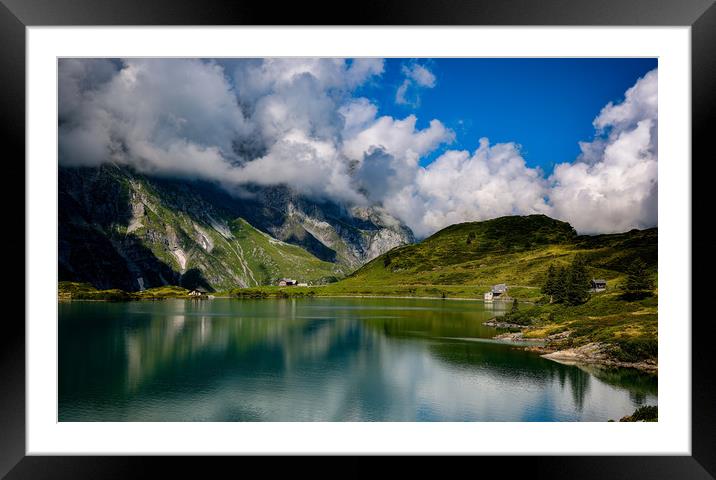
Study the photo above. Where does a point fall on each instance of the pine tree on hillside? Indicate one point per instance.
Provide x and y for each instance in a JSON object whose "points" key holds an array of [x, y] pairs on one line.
{"points": [[550, 283], [515, 306], [560, 286], [638, 281], [577, 281], [387, 260]]}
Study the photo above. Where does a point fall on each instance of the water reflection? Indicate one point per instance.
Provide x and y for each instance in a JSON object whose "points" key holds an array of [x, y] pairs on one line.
{"points": [[323, 359]]}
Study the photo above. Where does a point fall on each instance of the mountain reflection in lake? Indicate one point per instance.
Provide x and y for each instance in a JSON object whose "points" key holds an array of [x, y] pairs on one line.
{"points": [[325, 359]]}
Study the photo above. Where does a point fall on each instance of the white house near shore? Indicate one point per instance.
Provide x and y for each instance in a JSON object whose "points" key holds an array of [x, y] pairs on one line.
{"points": [[497, 292]]}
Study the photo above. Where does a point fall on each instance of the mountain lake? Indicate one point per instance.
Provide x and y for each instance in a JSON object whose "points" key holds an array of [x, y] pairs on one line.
{"points": [[319, 359]]}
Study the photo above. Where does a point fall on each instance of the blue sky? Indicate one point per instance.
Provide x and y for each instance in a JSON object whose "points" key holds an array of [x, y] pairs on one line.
{"points": [[546, 105]]}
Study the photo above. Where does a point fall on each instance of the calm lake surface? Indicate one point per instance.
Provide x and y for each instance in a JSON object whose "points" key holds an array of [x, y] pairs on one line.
{"points": [[324, 359]]}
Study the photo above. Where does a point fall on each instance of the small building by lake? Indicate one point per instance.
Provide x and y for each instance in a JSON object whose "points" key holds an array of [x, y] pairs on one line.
{"points": [[287, 282], [198, 292], [599, 285], [497, 292]]}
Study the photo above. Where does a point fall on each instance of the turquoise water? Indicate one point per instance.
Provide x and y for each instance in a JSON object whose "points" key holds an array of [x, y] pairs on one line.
{"points": [[325, 359]]}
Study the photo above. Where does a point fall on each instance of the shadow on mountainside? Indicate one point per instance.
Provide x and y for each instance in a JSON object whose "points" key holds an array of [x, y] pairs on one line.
{"points": [[91, 204]]}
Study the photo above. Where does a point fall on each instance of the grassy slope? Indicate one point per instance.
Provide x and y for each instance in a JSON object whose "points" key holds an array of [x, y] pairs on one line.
{"points": [[512, 250], [270, 259], [85, 291]]}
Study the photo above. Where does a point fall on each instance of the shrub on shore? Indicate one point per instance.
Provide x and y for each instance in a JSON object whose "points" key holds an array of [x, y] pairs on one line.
{"points": [[645, 413]]}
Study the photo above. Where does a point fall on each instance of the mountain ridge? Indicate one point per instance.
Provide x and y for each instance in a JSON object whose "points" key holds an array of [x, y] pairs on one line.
{"points": [[122, 229]]}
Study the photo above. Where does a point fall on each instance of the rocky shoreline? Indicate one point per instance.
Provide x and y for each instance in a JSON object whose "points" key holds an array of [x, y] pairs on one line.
{"points": [[517, 337], [493, 322], [591, 353], [597, 353]]}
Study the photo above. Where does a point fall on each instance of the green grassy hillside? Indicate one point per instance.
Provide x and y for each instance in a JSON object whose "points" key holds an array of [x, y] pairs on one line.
{"points": [[465, 260], [270, 259]]}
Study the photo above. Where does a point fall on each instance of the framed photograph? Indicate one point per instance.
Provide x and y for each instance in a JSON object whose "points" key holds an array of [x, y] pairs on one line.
{"points": [[430, 230]]}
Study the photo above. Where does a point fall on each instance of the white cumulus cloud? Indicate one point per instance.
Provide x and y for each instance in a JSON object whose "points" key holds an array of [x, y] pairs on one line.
{"points": [[420, 75], [613, 188], [164, 116], [460, 187], [416, 77]]}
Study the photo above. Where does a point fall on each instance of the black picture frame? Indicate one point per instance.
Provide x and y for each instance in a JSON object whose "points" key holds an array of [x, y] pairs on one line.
{"points": [[700, 15]]}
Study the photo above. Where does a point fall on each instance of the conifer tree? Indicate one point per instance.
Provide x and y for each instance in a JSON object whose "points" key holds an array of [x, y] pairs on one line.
{"points": [[577, 282], [560, 286], [638, 281], [550, 283]]}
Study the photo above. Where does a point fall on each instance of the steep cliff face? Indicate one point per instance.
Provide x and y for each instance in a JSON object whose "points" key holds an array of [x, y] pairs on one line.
{"points": [[120, 229]]}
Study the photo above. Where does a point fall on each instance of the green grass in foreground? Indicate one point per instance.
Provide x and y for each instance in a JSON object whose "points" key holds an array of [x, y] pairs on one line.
{"points": [[628, 328], [85, 291]]}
